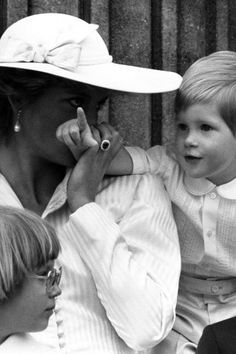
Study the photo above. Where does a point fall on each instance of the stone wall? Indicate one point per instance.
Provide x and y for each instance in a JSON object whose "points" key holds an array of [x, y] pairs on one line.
{"points": [[167, 34]]}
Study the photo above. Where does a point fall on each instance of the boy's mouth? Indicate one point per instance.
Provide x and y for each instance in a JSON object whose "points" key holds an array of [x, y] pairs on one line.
{"points": [[192, 158]]}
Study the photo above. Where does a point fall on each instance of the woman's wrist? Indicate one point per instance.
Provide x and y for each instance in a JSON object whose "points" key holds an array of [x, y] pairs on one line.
{"points": [[78, 201]]}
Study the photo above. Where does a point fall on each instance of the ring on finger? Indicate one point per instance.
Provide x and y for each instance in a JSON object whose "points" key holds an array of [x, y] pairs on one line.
{"points": [[105, 145]]}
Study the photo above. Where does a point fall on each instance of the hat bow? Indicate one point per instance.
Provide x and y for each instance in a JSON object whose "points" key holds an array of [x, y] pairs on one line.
{"points": [[65, 55]]}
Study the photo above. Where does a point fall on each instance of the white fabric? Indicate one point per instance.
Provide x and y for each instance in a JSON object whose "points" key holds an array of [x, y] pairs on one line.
{"points": [[205, 215], [71, 48], [24, 344], [66, 56], [121, 266], [65, 49]]}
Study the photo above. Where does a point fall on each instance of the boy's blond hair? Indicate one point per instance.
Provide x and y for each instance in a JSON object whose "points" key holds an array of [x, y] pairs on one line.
{"points": [[211, 79], [27, 243]]}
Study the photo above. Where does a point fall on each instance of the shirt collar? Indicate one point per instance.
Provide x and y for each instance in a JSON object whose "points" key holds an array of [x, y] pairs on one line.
{"points": [[227, 190], [202, 186], [59, 196], [7, 195]]}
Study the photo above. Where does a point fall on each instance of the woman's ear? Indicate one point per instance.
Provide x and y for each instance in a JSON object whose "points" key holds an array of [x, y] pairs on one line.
{"points": [[16, 102]]}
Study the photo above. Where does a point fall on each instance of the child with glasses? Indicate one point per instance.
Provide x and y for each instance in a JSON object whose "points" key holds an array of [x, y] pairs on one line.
{"points": [[29, 283]]}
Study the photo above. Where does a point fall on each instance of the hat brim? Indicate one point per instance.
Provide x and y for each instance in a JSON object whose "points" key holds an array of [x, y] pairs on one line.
{"points": [[111, 76]]}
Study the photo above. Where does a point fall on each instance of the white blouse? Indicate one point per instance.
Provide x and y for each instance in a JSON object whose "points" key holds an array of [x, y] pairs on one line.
{"points": [[121, 266]]}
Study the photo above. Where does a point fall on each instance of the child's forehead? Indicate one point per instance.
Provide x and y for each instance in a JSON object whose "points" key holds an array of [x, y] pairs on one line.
{"points": [[200, 111]]}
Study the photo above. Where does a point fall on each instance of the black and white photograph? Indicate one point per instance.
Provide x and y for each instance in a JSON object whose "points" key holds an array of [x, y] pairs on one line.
{"points": [[117, 177]]}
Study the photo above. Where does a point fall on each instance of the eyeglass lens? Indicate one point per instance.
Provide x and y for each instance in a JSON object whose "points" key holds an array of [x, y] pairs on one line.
{"points": [[54, 277]]}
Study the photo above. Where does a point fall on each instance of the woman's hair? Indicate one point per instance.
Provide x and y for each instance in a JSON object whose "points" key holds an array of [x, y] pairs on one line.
{"points": [[211, 79], [24, 84], [27, 243]]}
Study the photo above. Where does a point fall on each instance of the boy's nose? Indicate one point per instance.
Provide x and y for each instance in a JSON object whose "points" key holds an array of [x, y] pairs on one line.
{"points": [[190, 140], [55, 291]]}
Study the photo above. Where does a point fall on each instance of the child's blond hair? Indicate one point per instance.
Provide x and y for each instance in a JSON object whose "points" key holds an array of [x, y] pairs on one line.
{"points": [[211, 79], [27, 243]]}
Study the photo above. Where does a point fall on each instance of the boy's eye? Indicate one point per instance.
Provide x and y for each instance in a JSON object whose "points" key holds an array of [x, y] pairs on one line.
{"points": [[206, 127], [182, 126], [43, 273]]}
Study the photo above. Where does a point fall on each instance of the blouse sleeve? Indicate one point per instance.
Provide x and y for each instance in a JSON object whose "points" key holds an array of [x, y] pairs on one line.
{"points": [[134, 261]]}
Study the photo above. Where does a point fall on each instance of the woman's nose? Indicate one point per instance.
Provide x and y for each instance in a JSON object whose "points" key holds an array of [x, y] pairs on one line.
{"points": [[91, 113]]}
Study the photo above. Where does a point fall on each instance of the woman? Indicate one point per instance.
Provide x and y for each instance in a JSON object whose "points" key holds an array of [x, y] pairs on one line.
{"points": [[29, 283], [119, 243]]}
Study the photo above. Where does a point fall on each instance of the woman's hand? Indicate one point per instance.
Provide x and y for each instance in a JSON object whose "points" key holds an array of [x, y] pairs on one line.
{"points": [[76, 134], [84, 142]]}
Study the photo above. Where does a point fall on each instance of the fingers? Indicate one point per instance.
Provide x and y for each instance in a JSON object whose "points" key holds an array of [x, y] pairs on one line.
{"points": [[106, 131], [108, 135], [84, 128], [104, 134], [79, 136], [69, 133], [81, 119], [76, 133], [96, 134]]}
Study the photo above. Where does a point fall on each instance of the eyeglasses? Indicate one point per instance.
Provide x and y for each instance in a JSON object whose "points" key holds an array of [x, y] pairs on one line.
{"points": [[52, 278]]}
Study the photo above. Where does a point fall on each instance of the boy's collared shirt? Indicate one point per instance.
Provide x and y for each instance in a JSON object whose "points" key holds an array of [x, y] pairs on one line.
{"points": [[205, 214]]}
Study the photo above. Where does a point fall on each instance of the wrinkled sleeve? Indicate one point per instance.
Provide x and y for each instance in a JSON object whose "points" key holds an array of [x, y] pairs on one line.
{"points": [[153, 160], [134, 261]]}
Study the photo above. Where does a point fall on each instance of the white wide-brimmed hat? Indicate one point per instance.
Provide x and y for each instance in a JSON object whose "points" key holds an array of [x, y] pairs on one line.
{"points": [[68, 47]]}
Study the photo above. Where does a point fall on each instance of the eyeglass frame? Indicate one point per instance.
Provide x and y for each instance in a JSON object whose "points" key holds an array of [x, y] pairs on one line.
{"points": [[52, 278]]}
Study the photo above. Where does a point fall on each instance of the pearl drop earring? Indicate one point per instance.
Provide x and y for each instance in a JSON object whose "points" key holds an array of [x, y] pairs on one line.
{"points": [[17, 126]]}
